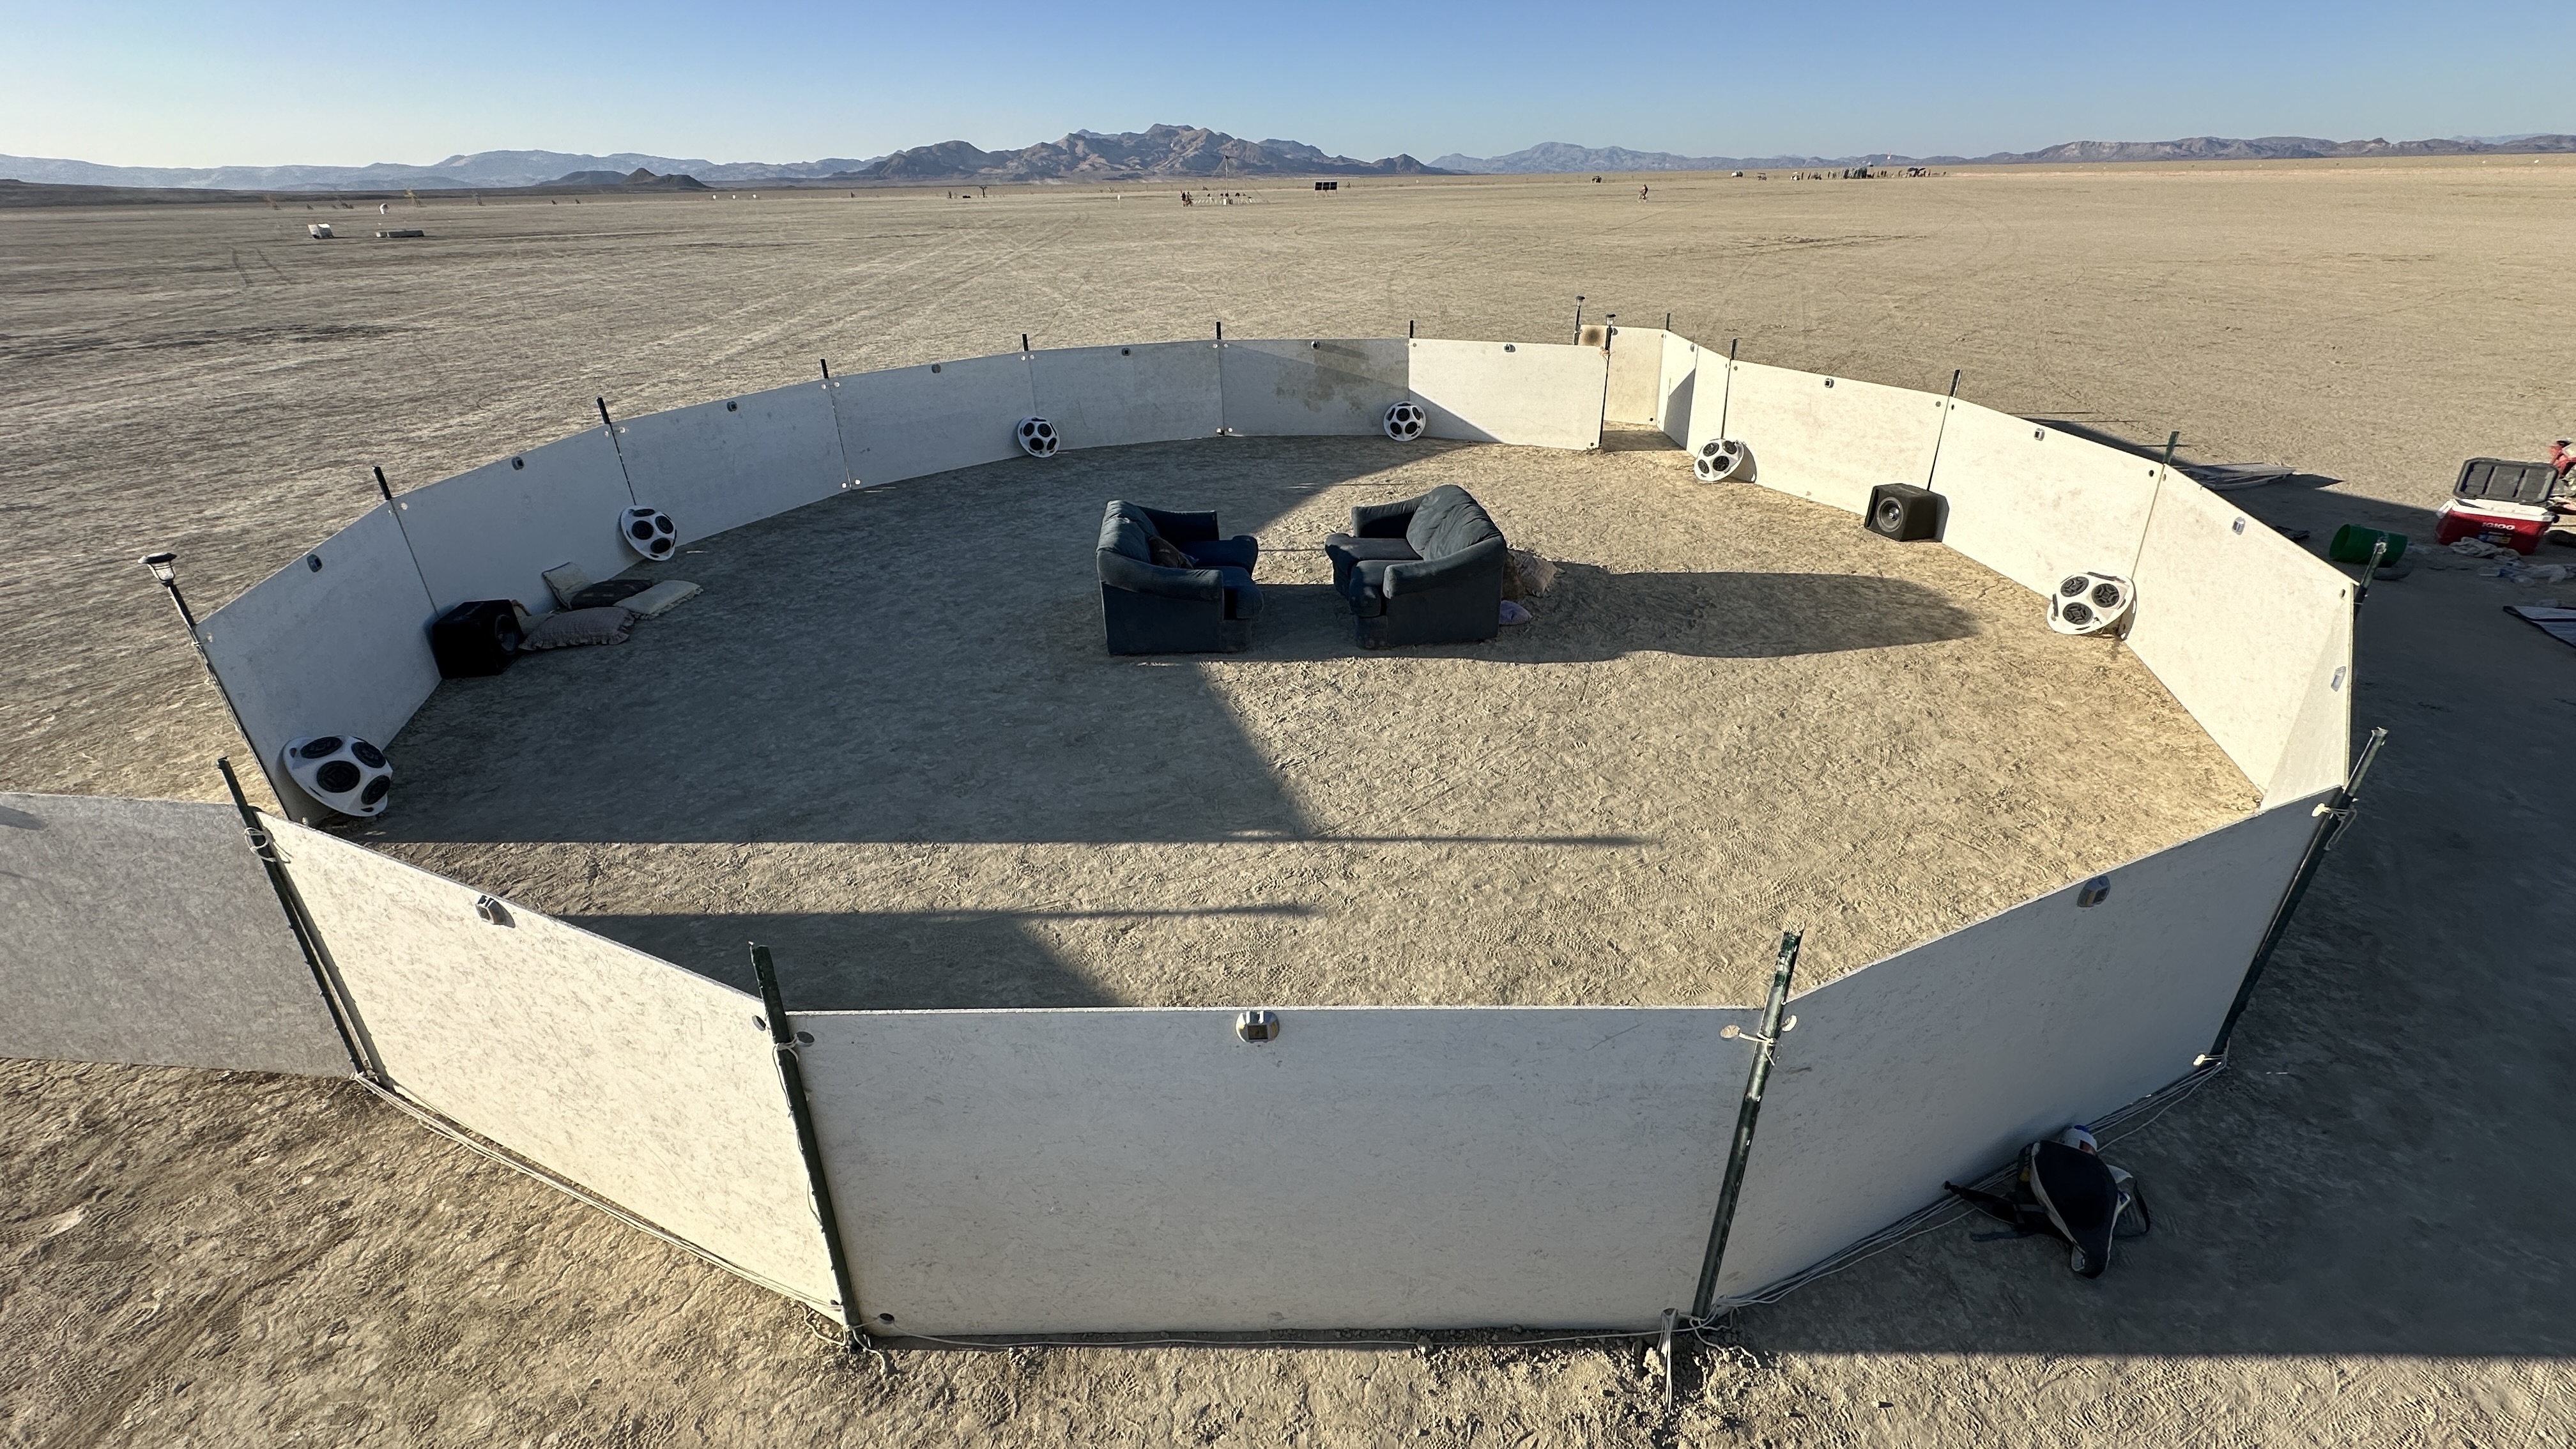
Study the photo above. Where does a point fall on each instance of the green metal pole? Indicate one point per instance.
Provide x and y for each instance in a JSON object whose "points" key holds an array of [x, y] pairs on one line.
{"points": [[1763, 1047], [791, 1077]]}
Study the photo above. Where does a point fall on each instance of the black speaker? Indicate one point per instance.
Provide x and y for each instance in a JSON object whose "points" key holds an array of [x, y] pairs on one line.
{"points": [[472, 640], [1903, 512]]}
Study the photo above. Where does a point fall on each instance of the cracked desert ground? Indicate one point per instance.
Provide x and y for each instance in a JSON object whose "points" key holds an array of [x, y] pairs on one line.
{"points": [[2361, 1233]]}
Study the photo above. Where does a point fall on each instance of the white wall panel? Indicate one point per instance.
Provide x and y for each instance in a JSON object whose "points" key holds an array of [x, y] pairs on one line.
{"points": [[1037, 1171], [1544, 395], [723, 464], [1676, 385], [492, 533], [906, 422], [647, 1084], [1312, 387], [1941, 1062], [1636, 368], [1827, 439], [1150, 392], [2252, 634], [146, 931], [2035, 504], [343, 649]]}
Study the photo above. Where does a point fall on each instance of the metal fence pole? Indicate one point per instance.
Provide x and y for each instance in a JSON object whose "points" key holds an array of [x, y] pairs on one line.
{"points": [[791, 1076], [1745, 1115]]}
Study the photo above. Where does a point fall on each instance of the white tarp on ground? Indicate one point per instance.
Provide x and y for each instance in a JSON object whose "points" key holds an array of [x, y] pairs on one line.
{"points": [[2035, 504], [1677, 386], [339, 649], [1308, 387], [1150, 392], [1036, 1171], [905, 422], [649, 1085], [2252, 634], [1941, 1062], [492, 533], [723, 464], [146, 931], [1544, 395], [1829, 439], [1636, 365]]}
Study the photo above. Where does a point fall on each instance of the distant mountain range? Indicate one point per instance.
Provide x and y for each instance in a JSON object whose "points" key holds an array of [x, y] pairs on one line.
{"points": [[492, 169], [1560, 158], [1163, 152], [1179, 152]]}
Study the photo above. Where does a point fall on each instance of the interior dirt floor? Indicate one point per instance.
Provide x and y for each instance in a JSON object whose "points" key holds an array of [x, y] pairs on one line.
{"points": [[888, 743], [2360, 1232]]}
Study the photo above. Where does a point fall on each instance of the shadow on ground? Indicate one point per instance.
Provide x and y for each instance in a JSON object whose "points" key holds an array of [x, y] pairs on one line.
{"points": [[924, 663]]}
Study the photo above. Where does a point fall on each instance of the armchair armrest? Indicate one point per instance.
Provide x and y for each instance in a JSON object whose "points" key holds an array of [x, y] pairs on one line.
{"points": [[1447, 571], [1121, 572]]}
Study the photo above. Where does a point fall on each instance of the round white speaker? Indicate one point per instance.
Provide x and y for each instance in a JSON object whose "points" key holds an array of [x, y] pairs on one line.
{"points": [[649, 531], [342, 771], [2090, 603], [1038, 437], [1720, 460], [1406, 420]]}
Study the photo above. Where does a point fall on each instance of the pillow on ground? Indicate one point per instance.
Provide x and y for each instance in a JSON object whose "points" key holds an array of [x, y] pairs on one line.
{"points": [[661, 597], [1526, 575], [1166, 554], [615, 591], [567, 628], [566, 580]]}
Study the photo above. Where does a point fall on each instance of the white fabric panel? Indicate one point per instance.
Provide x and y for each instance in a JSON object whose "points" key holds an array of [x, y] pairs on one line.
{"points": [[2035, 504], [1636, 370], [647, 1084], [1544, 395], [1151, 392], [492, 533], [2252, 634], [1044, 1171], [339, 650], [1711, 387], [906, 422], [1312, 387], [1829, 439], [723, 464], [146, 931], [1941, 1062], [1676, 384]]}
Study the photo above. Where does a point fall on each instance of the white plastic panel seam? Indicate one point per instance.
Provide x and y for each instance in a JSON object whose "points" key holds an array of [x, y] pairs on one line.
{"points": [[652, 1086], [1312, 387], [1940, 1062], [336, 642], [1676, 386], [1636, 361], [146, 931], [722, 464], [1050, 1171], [1147, 392], [493, 532], [908, 422], [1828, 439], [1544, 395]]}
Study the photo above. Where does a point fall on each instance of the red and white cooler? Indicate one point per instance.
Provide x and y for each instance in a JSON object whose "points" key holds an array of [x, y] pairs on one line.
{"points": [[2504, 502]]}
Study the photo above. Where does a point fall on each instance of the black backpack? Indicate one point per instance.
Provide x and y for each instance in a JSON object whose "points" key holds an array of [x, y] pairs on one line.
{"points": [[2071, 1194]]}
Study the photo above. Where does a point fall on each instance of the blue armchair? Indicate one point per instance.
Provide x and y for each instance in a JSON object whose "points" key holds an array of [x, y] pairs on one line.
{"points": [[1425, 570], [1148, 607]]}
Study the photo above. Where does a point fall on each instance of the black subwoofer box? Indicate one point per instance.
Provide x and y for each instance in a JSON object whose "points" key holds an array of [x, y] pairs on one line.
{"points": [[476, 639], [1903, 512]]}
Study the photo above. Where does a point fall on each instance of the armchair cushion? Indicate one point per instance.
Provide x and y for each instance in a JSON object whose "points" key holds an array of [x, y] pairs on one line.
{"points": [[1165, 554]]}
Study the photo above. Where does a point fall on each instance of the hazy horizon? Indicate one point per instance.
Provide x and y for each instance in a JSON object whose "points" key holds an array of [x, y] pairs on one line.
{"points": [[159, 84]]}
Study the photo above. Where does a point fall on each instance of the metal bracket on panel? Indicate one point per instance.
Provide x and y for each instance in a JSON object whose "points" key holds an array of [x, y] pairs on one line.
{"points": [[1257, 1026]]}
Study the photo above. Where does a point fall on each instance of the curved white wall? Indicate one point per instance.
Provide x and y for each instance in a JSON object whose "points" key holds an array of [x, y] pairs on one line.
{"points": [[1114, 1169]]}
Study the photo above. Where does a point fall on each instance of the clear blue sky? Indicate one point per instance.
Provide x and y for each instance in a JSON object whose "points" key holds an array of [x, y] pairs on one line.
{"points": [[178, 84]]}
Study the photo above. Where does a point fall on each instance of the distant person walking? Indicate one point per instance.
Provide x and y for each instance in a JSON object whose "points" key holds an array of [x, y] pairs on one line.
{"points": [[1641, 193]]}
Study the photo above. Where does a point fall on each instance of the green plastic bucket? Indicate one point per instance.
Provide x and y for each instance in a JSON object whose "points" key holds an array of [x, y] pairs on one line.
{"points": [[2352, 545]]}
